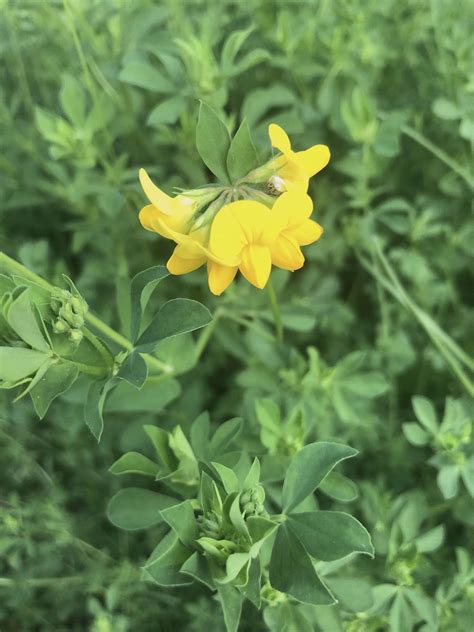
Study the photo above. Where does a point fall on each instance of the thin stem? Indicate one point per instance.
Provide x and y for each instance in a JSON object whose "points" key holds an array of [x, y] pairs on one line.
{"points": [[275, 310], [440, 154], [15, 267]]}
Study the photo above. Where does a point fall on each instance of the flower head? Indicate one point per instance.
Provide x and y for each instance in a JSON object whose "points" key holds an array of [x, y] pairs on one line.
{"points": [[249, 234]]}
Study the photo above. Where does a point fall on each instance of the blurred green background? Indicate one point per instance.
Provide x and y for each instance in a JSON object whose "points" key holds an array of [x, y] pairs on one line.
{"points": [[91, 90]]}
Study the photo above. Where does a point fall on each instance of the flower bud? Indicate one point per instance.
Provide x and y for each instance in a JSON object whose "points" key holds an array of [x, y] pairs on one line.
{"points": [[60, 326], [75, 336]]}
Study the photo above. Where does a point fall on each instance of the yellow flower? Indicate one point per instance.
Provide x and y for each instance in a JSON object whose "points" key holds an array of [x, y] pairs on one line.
{"points": [[256, 236], [173, 218], [291, 213], [295, 168], [165, 213]]}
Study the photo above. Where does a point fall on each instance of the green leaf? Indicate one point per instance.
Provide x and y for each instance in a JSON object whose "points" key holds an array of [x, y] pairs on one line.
{"points": [[231, 602], [153, 397], [213, 142], [309, 467], [57, 380], [339, 487], [228, 477], [287, 617], [23, 320], [224, 435], [424, 606], [354, 594], [94, 406], [425, 413], [17, 363], [168, 111], [134, 370], [401, 616], [145, 76], [370, 385], [415, 435], [166, 561], [134, 508], [183, 522], [448, 480], [330, 535], [242, 156], [175, 317], [431, 540], [141, 288], [200, 430], [134, 463], [387, 138], [232, 46], [292, 571], [446, 110], [73, 100], [197, 567]]}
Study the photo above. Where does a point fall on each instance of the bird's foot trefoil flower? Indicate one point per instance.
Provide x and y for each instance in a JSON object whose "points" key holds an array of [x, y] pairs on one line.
{"points": [[260, 220]]}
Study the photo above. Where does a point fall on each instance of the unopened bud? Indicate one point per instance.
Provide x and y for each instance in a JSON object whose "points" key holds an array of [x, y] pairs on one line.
{"points": [[75, 335], [60, 326]]}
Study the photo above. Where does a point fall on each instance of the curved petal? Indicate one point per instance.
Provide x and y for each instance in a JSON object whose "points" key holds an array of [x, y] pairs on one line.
{"points": [[177, 264], [237, 225], [279, 138], [156, 196], [291, 209], [220, 277], [286, 253], [256, 264], [306, 233], [312, 160]]}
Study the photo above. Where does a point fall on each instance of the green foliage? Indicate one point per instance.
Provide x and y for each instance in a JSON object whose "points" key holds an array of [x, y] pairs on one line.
{"points": [[236, 520]]}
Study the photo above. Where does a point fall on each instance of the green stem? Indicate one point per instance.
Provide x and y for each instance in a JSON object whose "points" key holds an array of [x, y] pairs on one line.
{"points": [[440, 154], [275, 311], [17, 268]]}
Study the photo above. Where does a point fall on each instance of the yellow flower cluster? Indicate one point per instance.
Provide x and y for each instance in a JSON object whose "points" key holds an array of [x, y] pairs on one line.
{"points": [[246, 235]]}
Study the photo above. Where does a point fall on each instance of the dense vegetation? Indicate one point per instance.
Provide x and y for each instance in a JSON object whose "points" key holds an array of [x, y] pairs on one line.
{"points": [[378, 348]]}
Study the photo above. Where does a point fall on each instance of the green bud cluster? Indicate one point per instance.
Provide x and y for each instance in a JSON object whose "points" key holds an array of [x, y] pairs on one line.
{"points": [[251, 501], [70, 310], [210, 525], [271, 595]]}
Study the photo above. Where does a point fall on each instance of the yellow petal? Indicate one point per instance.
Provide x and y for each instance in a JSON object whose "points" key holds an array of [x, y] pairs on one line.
{"points": [[156, 196], [256, 264], [279, 138], [238, 224], [182, 265], [306, 233], [291, 209], [312, 160], [220, 277], [286, 253]]}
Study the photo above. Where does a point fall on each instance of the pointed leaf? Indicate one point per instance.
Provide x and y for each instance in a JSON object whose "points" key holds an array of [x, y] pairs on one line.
{"points": [[134, 463], [242, 156], [183, 522], [141, 288], [17, 363], [134, 370], [134, 508], [213, 142], [57, 380], [23, 319], [292, 571], [309, 467], [175, 317], [330, 535], [231, 602]]}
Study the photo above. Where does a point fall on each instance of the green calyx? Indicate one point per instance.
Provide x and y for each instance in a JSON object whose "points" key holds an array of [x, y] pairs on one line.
{"points": [[70, 309]]}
